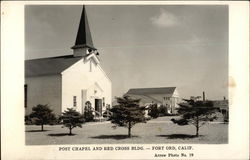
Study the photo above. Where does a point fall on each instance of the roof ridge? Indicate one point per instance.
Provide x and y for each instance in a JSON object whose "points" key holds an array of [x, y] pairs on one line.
{"points": [[62, 56], [48, 66], [153, 88], [159, 90]]}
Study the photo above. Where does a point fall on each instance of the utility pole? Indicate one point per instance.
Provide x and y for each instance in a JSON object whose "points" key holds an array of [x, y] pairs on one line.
{"points": [[204, 98]]}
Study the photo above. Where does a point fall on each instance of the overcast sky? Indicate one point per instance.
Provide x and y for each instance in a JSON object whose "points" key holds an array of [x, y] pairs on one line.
{"points": [[183, 46]]}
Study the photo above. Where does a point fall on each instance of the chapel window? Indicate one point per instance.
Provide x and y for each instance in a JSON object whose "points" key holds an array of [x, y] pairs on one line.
{"points": [[25, 95]]}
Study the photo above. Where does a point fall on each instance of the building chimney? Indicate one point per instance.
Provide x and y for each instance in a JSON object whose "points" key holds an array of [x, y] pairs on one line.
{"points": [[204, 98]]}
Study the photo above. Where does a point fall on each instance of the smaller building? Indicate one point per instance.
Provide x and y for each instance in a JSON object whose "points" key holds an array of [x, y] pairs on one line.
{"points": [[223, 107], [166, 96]]}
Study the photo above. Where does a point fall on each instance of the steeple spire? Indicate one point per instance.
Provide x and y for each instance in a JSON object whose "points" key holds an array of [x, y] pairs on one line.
{"points": [[83, 39]]}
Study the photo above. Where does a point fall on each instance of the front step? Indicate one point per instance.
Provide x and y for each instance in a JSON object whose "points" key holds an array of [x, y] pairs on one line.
{"points": [[100, 119]]}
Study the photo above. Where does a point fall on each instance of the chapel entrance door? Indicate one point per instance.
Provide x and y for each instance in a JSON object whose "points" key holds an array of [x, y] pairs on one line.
{"points": [[98, 105]]}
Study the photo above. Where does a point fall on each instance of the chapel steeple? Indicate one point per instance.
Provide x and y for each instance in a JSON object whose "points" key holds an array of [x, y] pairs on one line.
{"points": [[83, 44]]}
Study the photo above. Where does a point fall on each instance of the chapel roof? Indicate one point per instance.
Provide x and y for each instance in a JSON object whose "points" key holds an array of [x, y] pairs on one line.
{"points": [[49, 66], [145, 91], [55, 65]]}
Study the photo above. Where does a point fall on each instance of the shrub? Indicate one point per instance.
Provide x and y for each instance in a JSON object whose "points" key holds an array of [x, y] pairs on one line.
{"points": [[163, 110], [107, 113], [153, 111], [225, 118], [88, 112], [27, 120]]}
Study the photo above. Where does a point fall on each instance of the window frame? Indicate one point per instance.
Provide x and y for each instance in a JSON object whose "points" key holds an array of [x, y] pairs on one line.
{"points": [[74, 101], [25, 95]]}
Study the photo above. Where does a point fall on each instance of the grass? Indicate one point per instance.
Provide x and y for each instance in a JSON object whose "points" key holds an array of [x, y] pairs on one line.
{"points": [[159, 130]]}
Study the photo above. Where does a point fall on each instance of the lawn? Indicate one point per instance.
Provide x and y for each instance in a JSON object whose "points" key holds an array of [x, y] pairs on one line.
{"points": [[160, 130]]}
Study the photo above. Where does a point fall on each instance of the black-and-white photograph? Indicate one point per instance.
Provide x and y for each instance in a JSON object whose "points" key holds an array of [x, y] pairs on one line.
{"points": [[126, 74]]}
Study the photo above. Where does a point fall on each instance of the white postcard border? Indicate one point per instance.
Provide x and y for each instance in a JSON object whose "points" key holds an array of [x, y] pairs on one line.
{"points": [[12, 80]]}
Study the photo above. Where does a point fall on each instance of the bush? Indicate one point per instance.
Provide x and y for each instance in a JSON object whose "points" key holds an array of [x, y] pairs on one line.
{"points": [[148, 118], [153, 111], [32, 121], [163, 111], [225, 118], [107, 113], [27, 120], [88, 112], [57, 121]]}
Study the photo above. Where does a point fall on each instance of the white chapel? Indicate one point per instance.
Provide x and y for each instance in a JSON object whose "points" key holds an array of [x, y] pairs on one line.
{"points": [[69, 81]]}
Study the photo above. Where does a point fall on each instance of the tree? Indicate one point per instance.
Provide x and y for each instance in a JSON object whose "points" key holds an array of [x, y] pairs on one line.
{"points": [[163, 110], [196, 113], [42, 114], [71, 119], [127, 113], [153, 111], [88, 112]]}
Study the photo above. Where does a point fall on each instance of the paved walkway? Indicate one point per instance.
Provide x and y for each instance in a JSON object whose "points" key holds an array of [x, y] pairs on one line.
{"points": [[166, 119], [96, 123]]}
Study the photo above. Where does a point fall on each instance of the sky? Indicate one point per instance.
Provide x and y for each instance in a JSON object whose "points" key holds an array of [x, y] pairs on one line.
{"points": [[142, 46]]}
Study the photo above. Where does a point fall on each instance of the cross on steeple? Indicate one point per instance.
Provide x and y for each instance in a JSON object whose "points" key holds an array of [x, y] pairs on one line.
{"points": [[83, 44]]}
